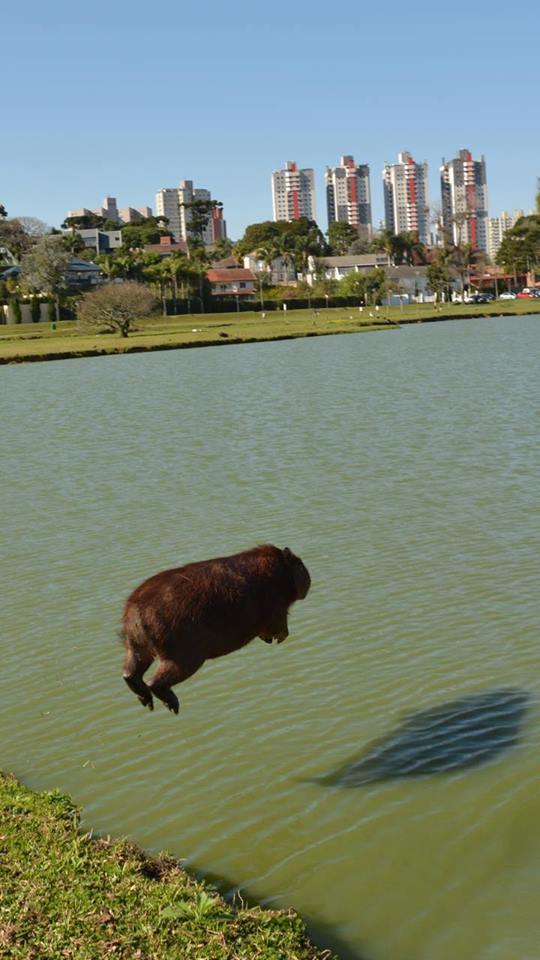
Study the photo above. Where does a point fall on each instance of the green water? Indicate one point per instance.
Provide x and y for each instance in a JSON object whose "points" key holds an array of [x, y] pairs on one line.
{"points": [[403, 467]]}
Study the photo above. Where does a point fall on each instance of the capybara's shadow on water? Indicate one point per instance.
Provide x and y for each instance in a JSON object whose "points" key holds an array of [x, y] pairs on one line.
{"points": [[323, 935], [453, 736]]}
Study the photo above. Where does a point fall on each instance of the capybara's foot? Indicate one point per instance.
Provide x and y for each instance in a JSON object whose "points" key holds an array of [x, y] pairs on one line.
{"points": [[147, 700], [171, 701]]}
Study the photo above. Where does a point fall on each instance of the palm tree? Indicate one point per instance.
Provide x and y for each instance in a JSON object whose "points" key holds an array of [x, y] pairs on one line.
{"points": [[461, 258], [178, 268], [411, 245], [156, 275], [306, 245], [390, 244], [110, 265]]}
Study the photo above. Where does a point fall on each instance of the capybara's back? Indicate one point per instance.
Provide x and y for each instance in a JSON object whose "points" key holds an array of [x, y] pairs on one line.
{"points": [[204, 610]]}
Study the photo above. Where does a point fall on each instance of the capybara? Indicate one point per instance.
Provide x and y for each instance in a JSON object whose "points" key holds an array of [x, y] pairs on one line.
{"points": [[204, 610]]}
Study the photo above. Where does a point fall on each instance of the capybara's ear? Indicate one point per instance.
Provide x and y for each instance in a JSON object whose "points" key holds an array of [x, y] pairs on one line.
{"points": [[286, 553]]}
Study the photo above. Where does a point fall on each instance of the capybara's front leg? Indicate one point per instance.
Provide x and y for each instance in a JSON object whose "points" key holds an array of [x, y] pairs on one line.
{"points": [[277, 628]]}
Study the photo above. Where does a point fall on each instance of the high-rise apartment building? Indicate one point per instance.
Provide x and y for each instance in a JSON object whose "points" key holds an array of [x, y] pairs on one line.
{"points": [[406, 197], [465, 201], [174, 203], [348, 195], [167, 207], [497, 227], [293, 193]]}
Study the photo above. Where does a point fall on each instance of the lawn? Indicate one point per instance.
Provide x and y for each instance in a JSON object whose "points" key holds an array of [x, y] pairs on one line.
{"points": [[39, 342], [66, 894]]}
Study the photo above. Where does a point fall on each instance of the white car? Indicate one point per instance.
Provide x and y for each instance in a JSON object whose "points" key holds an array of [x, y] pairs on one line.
{"points": [[507, 296]]}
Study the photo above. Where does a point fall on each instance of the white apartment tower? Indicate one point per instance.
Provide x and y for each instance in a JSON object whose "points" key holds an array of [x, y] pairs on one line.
{"points": [[167, 206], [406, 197], [497, 227], [348, 195], [293, 193], [173, 203], [465, 201]]}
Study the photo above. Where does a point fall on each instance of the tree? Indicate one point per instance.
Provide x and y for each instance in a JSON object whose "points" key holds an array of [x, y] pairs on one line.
{"points": [[198, 213], [221, 249], [375, 285], [33, 227], [3, 212], [179, 270], [341, 236], [308, 243], [115, 306], [86, 221], [389, 243], [360, 245], [520, 247], [157, 274], [256, 236], [44, 269], [412, 249], [73, 242], [353, 285], [16, 309], [438, 277], [14, 238], [462, 258], [35, 310], [137, 235], [299, 233]]}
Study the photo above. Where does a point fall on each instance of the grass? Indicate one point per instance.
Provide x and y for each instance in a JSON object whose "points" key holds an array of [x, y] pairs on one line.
{"points": [[38, 342], [65, 894]]}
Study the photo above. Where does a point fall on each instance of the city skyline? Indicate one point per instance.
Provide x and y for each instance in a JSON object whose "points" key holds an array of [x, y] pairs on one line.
{"points": [[377, 189], [72, 135]]}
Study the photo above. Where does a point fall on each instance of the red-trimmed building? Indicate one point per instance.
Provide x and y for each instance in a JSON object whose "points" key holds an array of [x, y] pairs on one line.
{"points": [[293, 193], [465, 201], [348, 195], [232, 282], [406, 197]]}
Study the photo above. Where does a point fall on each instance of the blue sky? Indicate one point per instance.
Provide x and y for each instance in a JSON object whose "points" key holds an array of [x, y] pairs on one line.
{"points": [[123, 98]]}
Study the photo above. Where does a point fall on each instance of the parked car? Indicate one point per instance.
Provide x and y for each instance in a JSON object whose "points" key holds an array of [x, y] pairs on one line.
{"points": [[524, 295], [507, 296], [478, 298]]}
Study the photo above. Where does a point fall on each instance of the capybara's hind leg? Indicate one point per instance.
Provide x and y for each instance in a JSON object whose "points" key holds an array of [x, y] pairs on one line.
{"points": [[167, 674], [135, 665]]}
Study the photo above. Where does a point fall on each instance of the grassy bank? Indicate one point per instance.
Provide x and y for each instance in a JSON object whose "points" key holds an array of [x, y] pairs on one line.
{"points": [[38, 342], [64, 894]]}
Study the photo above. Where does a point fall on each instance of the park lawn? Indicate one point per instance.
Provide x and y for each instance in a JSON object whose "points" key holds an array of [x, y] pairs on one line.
{"points": [[40, 342], [66, 894]]}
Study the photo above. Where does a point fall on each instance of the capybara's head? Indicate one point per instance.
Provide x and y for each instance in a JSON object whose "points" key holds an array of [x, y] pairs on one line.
{"points": [[300, 575]]}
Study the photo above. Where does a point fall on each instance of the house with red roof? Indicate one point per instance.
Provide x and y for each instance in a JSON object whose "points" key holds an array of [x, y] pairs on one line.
{"points": [[232, 282]]}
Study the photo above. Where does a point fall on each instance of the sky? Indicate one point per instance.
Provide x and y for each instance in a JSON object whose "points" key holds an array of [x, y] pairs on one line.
{"points": [[122, 98]]}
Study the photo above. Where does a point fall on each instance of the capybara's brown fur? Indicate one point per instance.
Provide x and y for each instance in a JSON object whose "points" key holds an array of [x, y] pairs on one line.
{"points": [[194, 613]]}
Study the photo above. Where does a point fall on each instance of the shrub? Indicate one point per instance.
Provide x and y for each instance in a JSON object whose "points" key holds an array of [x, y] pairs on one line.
{"points": [[35, 310], [16, 311]]}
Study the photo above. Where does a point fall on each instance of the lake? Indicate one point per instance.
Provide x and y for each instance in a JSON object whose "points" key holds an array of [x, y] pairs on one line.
{"points": [[403, 467]]}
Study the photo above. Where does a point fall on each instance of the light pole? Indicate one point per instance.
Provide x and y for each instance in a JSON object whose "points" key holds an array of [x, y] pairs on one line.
{"points": [[235, 291]]}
